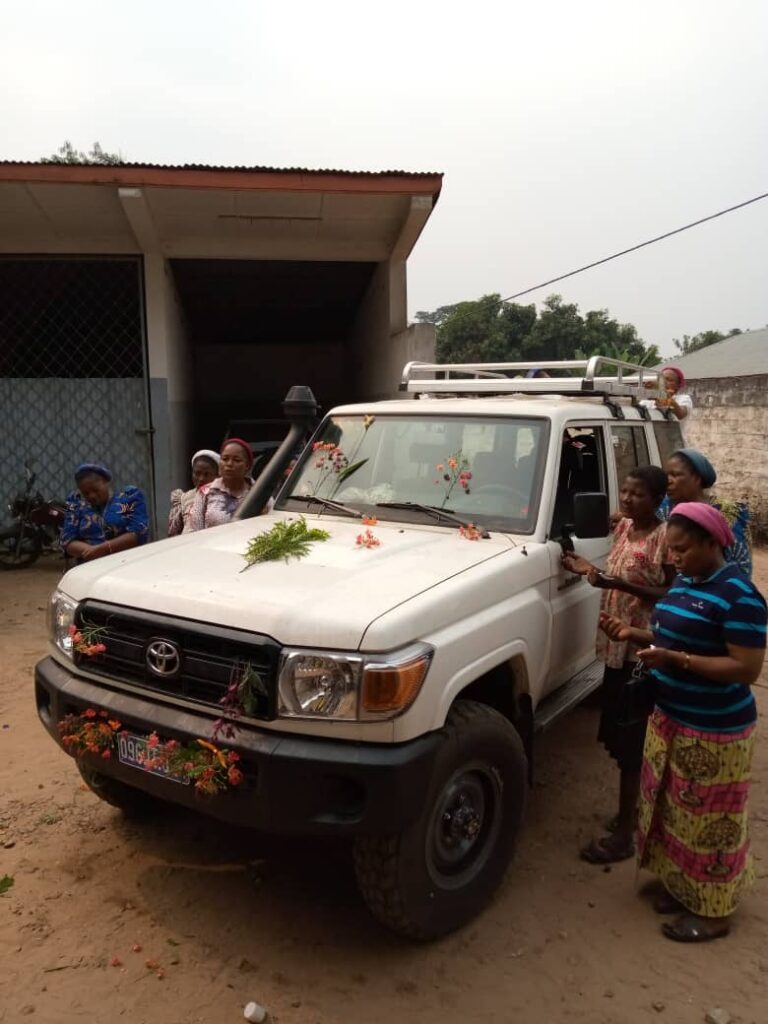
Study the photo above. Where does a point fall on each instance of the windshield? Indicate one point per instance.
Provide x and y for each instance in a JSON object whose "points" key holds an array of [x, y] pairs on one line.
{"points": [[487, 471]]}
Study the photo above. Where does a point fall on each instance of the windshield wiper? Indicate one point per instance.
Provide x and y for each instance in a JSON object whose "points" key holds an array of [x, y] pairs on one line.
{"points": [[312, 499], [433, 510]]}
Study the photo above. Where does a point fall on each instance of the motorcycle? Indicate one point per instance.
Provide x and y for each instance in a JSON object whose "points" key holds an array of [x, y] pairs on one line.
{"points": [[36, 530]]}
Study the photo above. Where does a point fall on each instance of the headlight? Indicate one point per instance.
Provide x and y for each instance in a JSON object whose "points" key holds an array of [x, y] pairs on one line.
{"points": [[61, 615], [348, 687]]}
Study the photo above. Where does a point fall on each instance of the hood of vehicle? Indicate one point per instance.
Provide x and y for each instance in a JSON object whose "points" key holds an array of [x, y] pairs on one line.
{"points": [[326, 599]]}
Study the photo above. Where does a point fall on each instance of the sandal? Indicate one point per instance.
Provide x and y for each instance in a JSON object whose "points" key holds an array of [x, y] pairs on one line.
{"points": [[608, 850], [665, 903], [691, 928]]}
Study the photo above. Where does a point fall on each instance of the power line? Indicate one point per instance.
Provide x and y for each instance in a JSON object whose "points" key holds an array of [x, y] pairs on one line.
{"points": [[634, 248]]}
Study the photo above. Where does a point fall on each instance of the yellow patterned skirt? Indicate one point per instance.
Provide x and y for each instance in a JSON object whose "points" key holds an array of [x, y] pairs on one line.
{"points": [[692, 818]]}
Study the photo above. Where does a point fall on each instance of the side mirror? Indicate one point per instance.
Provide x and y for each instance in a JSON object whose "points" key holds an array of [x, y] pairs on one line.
{"points": [[591, 515]]}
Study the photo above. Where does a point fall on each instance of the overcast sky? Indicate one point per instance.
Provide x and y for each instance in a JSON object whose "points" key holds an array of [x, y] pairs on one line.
{"points": [[566, 130]]}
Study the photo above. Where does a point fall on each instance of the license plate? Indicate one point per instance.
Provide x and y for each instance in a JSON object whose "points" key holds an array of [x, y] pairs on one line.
{"points": [[131, 751]]}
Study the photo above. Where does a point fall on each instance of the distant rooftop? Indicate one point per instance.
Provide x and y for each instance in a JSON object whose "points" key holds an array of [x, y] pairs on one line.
{"points": [[743, 355]]}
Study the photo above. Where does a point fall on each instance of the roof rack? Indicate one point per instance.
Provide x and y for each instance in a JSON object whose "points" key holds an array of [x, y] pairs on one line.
{"points": [[615, 379]]}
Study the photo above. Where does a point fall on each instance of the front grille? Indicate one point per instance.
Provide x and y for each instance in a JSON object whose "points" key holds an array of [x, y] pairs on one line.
{"points": [[210, 657]]}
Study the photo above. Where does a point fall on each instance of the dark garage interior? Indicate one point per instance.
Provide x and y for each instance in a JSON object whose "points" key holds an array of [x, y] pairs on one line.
{"points": [[253, 328]]}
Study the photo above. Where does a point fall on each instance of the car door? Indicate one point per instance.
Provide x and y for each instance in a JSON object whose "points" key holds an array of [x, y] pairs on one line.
{"points": [[583, 467]]}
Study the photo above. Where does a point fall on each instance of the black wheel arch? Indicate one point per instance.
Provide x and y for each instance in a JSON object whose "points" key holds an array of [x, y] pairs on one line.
{"points": [[505, 688]]}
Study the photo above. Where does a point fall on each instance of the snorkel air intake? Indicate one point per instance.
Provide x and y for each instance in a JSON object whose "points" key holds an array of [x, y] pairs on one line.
{"points": [[300, 408]]}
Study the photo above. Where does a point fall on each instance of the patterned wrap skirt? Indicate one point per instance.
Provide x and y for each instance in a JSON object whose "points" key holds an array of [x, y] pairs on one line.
{"points": [[692, 820]]}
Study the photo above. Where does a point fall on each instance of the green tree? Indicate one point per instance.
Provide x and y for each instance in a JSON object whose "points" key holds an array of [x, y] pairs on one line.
{"points": [[689, 343], [486, 330], [489, 330], [436, 316], [67, 154]]}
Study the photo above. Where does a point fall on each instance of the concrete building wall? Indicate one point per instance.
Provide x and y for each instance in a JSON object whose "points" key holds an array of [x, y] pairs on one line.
{"points": [[730, 425], [380, 342]]}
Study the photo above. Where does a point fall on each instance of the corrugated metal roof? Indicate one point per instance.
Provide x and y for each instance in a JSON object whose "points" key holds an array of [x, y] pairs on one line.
{"points": [[134, 165], [743, 355]]}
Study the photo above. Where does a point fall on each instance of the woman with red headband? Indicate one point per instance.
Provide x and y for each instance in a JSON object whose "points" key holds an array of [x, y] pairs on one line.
{"points": [[217, 502], [704, 650], [672, 382]]}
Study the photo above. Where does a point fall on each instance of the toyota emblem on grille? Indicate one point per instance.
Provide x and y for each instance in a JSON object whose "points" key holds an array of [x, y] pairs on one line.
{"points": [[163, 658]]}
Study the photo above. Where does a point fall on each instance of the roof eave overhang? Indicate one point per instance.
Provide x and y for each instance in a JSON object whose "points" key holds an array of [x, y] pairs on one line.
{"points": [[349, 182]]}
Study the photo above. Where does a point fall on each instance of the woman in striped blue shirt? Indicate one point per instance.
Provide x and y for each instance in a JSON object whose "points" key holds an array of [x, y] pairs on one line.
{"points": [[705, 649]]}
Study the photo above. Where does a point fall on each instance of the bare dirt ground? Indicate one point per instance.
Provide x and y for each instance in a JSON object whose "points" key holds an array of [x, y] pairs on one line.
{"points": [[231, 916]]}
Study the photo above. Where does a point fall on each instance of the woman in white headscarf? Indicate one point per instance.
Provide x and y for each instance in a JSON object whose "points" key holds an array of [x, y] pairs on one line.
{"points": [[205, 469]]}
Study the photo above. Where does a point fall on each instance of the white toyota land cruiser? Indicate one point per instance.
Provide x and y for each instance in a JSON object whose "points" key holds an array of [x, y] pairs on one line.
{"points": [[403, 665]]}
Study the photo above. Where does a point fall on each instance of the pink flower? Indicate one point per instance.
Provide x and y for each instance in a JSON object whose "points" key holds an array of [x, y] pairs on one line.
{"points": [[153, 741], [106, 754], [367, 540]]}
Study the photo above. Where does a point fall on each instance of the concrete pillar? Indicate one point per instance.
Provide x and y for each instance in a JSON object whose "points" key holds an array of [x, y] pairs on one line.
{"points": [[170, 384], [380, 342]]}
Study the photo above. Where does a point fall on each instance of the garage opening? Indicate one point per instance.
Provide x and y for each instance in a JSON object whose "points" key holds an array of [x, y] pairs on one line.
{"points": [[254, 328]]}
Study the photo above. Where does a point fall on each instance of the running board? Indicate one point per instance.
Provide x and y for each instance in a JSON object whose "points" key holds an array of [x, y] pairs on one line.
{"points": [[568, 695]]}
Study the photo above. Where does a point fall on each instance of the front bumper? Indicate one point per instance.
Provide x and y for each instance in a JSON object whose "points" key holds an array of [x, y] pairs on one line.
{"points": [[294, 784]]}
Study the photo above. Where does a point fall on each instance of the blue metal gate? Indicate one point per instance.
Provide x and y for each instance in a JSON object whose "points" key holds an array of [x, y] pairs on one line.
{"points": [[73, 381]]}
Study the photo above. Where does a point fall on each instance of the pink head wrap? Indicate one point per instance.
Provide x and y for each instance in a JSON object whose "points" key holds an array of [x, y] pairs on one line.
{"points": [[708, 518], [677, 372], [244, 445]]}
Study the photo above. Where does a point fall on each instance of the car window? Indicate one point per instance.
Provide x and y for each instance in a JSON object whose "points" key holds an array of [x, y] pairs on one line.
{"points": [[487, 471], [630, 449], [669, 437], [581, 469]]}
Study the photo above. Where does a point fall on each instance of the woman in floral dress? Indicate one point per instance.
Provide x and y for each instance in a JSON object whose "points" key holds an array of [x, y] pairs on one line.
{"points": [[205, 469], [637, 576]]}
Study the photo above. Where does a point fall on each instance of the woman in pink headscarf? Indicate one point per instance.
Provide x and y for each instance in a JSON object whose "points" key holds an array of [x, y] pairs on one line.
{"points": [[704, 650]]}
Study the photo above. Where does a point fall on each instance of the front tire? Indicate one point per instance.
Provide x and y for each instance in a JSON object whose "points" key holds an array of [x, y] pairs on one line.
{"points": [[441, 871]]}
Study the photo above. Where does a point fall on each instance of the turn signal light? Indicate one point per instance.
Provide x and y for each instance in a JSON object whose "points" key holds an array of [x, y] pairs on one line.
{"points": [[392, 688]]}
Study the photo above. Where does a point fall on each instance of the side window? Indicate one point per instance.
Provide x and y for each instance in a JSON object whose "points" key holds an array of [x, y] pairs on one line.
{"points": [[582, 468], [669, 437], [630, 449]]}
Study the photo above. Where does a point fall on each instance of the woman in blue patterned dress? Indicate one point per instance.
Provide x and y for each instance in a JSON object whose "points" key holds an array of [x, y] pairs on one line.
{"points": [[689, 475], [101, 522]]}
